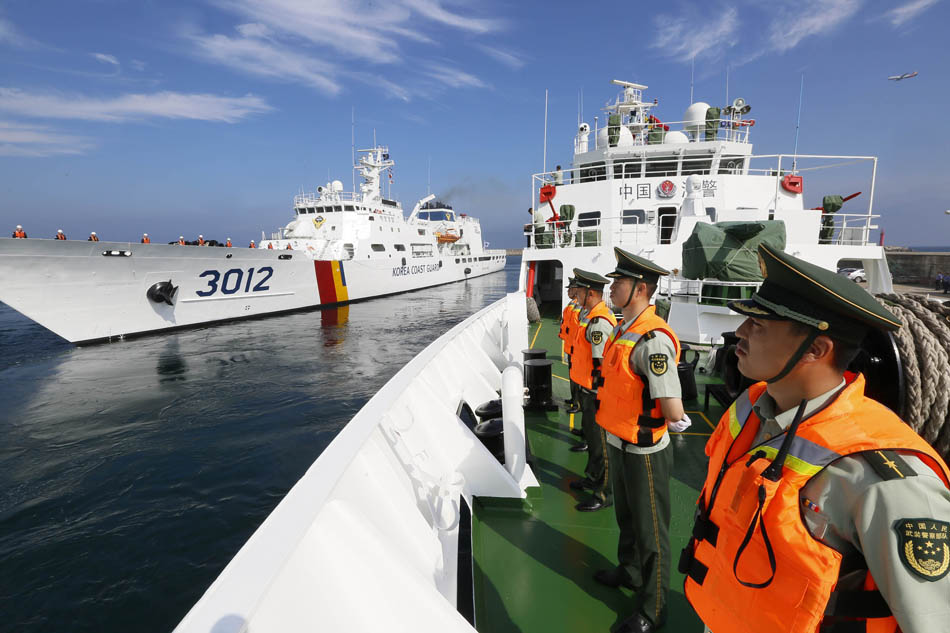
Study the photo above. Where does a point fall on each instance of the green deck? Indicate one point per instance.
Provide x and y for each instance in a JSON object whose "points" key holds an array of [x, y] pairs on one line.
{"points": [[534, 559]]}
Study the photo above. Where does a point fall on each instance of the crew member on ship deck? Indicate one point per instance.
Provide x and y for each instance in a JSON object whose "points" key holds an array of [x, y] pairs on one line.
{"points": [[60, 235], [594, 324], [181, 240], [566, 334], [145, 239], [201, 240], [639, 398], [228, 243], [92, 237], [19, 233], [251, 245], [821, 509]]}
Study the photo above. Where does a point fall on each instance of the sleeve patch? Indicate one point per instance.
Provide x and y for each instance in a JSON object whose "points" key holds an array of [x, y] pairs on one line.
{"points": [[596, 337], [659, 363], [924, 547]]}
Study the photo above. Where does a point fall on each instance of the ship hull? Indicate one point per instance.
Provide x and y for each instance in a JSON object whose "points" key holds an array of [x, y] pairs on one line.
{"points": [[91, 292]]}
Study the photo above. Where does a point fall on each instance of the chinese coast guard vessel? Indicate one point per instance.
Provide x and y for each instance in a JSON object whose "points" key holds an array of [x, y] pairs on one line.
{"points": [[407, 511], [340, 247], [691, 196]]}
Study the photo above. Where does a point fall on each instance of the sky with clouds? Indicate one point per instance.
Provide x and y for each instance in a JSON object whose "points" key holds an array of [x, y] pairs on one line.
{"points": [[208, 116]]}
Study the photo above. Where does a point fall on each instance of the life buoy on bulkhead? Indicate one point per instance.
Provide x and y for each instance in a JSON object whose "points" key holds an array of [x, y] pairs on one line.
{"points": [[792, 183]]}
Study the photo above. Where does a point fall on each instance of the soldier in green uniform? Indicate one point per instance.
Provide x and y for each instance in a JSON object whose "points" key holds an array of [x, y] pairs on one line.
{"points": [[860, 534], [639, 398], [595, 323]]}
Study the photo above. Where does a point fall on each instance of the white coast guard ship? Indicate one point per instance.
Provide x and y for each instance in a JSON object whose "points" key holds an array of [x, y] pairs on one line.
{"points": [[643, 185], [340, 247]]}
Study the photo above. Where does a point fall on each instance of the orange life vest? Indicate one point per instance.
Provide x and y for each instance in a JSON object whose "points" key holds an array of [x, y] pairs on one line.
{"points": [[181, 242], [566, 316], [201, 241], [93, 238], [252, 245], [736, 579], [582, 362], [61, 236], [19, 234], [270, 245], [228, 243], [146, 240], [625, 407]]}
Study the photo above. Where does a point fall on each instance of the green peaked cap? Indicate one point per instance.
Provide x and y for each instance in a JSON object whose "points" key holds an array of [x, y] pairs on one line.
{"points": [[630, 265], [587, 279], [799, 291], [571, 282]]}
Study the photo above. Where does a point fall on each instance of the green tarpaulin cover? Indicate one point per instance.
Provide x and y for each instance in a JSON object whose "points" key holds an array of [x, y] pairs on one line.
{"points": [[613, 129], [727, 250], [712, 123], [829, 206]]}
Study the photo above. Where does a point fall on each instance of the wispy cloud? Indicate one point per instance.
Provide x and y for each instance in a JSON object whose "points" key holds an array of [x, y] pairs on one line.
{"points": [[18, 139], [137, 64], [433, 10], [680, 39], [904, 13], [452, 77], [794, 22], [502, 56], [11, 36], [254, 53], [317, 43], [106, 59], [167, 105]]}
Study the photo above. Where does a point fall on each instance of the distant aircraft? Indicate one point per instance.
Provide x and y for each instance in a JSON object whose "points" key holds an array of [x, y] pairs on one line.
{"points": [[904, 76]]}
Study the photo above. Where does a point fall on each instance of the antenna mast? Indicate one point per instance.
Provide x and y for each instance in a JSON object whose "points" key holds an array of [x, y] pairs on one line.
{"points": [[353, 145], [692, 72], [801, 93], [727, 84], [544, 162]]}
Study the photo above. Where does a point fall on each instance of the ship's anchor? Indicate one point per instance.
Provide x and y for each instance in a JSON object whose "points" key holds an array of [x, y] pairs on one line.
{"points": [[162, 292]]}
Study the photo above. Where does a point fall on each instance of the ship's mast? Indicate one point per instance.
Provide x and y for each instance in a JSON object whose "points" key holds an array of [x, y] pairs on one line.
{"points": [[371, 167]]}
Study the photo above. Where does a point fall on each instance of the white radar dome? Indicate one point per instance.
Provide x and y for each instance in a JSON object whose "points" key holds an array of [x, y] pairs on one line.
{"points": [[695, 117], [625, 139], [337, 186], [676, 137]]}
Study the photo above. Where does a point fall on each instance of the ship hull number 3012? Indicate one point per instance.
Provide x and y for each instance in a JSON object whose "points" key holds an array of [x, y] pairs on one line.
{"points": [[233, 280]]}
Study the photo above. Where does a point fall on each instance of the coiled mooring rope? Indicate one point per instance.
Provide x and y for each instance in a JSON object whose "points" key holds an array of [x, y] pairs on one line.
{"points": [[924, 347]]}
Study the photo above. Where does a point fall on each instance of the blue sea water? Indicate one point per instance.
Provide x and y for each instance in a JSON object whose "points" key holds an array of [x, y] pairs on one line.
{"points": [[131, 472]]}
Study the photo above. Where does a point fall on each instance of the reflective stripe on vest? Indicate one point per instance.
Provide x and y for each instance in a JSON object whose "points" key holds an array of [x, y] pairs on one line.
{"points": [[736, 582], [624, 405], [582, 363]]}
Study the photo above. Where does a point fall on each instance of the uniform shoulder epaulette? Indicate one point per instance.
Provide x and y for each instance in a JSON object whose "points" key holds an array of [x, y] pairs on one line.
{"points": [[888, 464], [649, 335]]}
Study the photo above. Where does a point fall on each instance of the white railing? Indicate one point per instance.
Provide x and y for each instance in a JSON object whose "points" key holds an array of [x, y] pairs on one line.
{"points": [[846, 229], [707, 291], [644, 133], [321, 199], [375, 520]]}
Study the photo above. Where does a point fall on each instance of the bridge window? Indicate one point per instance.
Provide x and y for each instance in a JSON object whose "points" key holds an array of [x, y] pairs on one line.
{"points": [[399, 247], [696, 165], [378, 247], [634, 216]]}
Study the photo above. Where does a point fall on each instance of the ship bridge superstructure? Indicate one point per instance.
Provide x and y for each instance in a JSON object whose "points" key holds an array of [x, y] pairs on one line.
{"points": [[334, 224], [644, 184]]}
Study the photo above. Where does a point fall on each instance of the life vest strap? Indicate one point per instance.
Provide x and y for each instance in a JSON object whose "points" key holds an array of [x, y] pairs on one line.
{"points": [[690, 566], [745, 542], [857, 604], [705, 530]]}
